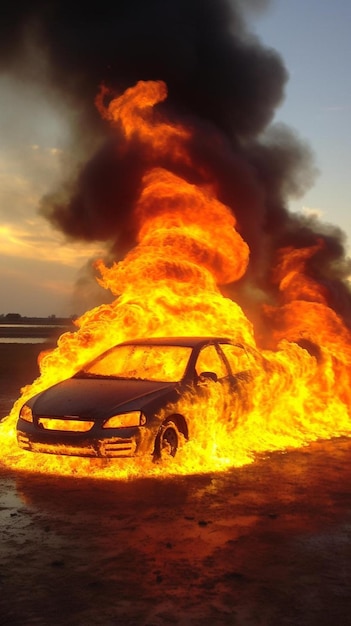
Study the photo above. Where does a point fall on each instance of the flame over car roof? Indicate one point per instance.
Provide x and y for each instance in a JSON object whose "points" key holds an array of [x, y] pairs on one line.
{"points": [[175, 341]]}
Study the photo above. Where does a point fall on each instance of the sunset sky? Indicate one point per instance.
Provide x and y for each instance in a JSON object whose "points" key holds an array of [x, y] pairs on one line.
{"points": [[39, 268]]}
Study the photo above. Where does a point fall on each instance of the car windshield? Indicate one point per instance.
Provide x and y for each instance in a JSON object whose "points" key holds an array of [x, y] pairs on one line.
{"points": [[142, 362]]}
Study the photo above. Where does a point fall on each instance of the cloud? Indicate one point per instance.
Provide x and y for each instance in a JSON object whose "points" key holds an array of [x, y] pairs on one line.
{"points": [[38, 266], [25, 174], [35, 289], [313, 212], [35, 240]]}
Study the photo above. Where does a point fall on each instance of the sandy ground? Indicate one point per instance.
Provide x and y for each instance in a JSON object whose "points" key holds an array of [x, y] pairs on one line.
{"points": [[267, 544]]}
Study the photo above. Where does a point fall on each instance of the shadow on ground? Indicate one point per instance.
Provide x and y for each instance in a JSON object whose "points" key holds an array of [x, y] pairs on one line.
{"points": [[268, 544]]}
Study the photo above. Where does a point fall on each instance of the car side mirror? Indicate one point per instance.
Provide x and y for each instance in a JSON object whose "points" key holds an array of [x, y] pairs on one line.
{"points": [[206, 376]]}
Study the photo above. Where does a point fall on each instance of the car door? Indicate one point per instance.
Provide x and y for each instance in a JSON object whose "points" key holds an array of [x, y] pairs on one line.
{"points": [[240, 366], [214, 381]]}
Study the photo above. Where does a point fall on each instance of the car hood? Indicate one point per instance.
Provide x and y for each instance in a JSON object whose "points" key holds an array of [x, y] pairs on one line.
{"points": [[97, 398]]}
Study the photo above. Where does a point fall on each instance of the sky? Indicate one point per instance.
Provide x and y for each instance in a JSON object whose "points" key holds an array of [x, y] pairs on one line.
{"points": [[313, 38], [39, 268]]}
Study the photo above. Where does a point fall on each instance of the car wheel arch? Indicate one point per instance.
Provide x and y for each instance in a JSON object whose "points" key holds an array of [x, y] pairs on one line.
{"points": [[176, 422], [179, 420]]}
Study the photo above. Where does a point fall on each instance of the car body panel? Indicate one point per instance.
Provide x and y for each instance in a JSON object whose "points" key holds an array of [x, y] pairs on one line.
{"points": [[95, 398]]}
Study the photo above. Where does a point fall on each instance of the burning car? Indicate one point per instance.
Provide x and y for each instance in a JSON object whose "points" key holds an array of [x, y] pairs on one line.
{"points": [[136, 398]]}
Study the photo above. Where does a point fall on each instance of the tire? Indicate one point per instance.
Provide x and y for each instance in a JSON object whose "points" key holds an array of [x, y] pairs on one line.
{"points": [[167, 441]]}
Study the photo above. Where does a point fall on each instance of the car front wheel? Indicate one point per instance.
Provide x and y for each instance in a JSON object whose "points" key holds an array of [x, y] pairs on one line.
{"points": [[167, 441]]}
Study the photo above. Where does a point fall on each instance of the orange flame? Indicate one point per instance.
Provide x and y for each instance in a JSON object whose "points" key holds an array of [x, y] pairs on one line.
{"points": [[168, 284], [134, 113]]}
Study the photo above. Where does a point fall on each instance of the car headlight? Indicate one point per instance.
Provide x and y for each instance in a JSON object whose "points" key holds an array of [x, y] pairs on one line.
{"points": [[123, 420], [26, 413]]}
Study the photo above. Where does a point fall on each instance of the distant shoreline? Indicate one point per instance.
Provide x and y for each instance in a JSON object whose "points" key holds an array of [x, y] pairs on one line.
{"points": [[36, 327], [10, 320]]}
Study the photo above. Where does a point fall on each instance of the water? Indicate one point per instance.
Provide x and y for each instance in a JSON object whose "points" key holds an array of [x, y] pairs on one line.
{"points": [[29, 326], [30, 333], [23, 339]]}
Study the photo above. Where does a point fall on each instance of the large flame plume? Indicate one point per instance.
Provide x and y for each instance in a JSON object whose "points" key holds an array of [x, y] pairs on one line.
{"points": [[188, 247]]}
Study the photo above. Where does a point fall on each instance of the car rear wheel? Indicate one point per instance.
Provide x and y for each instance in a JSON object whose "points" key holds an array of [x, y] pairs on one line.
{"points": [[167, 441]]}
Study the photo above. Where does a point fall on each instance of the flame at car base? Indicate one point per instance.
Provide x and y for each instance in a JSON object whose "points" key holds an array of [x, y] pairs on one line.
{"points": [[168, 285]]}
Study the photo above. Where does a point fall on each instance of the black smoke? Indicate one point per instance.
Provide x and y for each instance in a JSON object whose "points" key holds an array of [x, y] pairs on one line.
{"points": [[222, 82]]}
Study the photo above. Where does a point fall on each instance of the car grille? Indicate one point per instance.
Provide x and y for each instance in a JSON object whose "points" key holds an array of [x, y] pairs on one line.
{"points": [[65, 425], [113, 447], [53, 448], [117, 447]]}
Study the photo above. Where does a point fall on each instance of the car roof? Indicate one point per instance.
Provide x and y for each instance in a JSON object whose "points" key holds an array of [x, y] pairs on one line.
{"points": [[176, 341]]}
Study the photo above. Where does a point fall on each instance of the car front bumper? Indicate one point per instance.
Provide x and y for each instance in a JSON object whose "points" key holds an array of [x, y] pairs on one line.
{"points": [[128, 442]]}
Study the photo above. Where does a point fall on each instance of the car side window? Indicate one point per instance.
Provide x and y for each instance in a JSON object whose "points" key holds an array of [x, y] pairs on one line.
{"points": [[237, 357], [210, 361]]}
